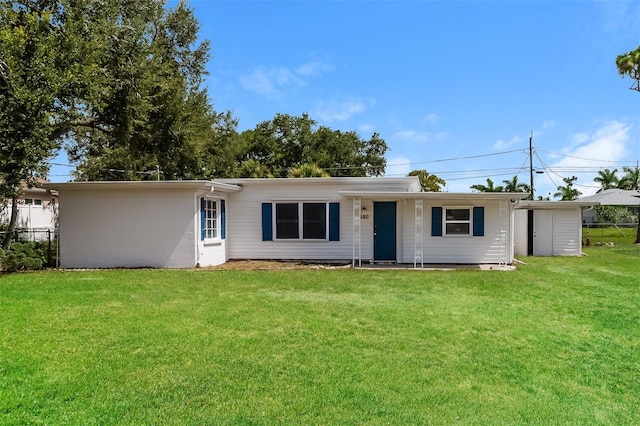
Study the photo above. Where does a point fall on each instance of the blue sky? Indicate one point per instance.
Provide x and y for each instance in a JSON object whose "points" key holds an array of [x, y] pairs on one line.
{"points": [[455, 88]]}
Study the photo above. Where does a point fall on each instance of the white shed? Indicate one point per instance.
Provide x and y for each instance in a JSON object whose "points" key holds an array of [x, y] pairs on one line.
{"points": [[549, 228]]}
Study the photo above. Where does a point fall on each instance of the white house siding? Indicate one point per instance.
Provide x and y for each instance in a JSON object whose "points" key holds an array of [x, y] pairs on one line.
{"points": [[466, 249], [127, 228], [567, 232], [244, 222], [562, 238]]}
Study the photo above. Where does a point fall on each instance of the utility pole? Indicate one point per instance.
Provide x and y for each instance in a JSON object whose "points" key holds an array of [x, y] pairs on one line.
{"points": [[531, 163]]}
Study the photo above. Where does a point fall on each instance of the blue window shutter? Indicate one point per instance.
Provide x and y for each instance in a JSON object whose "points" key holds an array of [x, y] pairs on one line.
{"points": [[478, 221], [334, 221], [267, 222], [436, 221], [223, 219], [202, 218]]}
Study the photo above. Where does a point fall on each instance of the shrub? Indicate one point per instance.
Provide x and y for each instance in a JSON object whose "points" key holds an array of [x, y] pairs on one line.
{"points": [[21, 256]]}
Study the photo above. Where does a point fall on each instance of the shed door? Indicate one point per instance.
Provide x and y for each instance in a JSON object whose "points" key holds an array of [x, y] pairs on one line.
{"points": [[384, 231], [543, 233]]}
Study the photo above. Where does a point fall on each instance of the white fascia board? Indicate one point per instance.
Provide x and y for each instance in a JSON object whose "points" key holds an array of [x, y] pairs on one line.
{"points": [[516, 196]]}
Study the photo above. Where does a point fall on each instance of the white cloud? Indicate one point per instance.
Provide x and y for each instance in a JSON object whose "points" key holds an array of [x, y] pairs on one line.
{"points": [[271, 81], [339, 110], [412, 136], [502, 144], [314, 69], [432, 118], [590, 152], [398, 166], [367, 128], [548, 124]]}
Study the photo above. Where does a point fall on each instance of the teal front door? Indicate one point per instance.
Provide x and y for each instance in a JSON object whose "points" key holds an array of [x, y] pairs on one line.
{"points": [[384, 231]]}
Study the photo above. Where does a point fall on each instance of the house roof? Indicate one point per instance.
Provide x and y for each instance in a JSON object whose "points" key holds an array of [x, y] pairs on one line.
{"points": [[615, 197], [145, 185], [555, 205]]}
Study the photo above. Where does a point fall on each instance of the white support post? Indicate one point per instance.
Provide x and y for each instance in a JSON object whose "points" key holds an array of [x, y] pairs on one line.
{"points": [[357, 233], [503, 231], [419, 236]]}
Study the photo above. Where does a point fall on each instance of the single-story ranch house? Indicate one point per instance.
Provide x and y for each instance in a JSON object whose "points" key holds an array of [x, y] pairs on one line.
{"points": [[184, 224]]}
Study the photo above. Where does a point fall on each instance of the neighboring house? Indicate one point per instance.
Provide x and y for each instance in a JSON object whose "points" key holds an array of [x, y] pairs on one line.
{"points": [[621, 198], [549, 228], [37, 209], [182, 224]]}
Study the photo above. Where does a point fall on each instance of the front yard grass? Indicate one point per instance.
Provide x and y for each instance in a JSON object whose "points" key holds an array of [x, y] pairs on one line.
{"points": [[556, 342]]}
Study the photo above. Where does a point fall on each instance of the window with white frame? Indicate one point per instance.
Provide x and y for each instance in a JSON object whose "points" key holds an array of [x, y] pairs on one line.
{"points": [[210, 213], [457, 221], [305, 220]]}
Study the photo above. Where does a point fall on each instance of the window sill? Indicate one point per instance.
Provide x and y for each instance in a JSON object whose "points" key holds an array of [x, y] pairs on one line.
{"points": [[299, 240]]}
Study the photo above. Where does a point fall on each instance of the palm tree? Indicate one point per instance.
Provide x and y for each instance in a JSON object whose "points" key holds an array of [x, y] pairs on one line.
{"points": [[607, 179], [512, 185], [630, 179], [489, 187], [568, 192], [307, 170]]}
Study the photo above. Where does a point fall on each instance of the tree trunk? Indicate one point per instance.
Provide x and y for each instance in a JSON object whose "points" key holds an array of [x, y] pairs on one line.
{"points": [[6, 244]]}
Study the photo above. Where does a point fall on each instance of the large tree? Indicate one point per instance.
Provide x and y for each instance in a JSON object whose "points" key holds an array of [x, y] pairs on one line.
{"points": [[32, 74], [512, 185], [628, 64], [151, 109], [286, 142], [607, 179], [567, 192], [118, 80], [428, 182], [630, 180]]}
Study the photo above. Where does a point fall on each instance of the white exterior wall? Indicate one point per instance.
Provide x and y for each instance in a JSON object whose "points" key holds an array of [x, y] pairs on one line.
{"points": [[460, 249], [564, 235], [128, 228], [244, 222], [521, 221], [567, 232]]}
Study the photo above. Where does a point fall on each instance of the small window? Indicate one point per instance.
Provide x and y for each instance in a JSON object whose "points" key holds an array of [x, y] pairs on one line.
{"points": [[37, 202], [314, 221], [306, 221], [457, 221], [287, 223], [28, 201], [210, 212]]}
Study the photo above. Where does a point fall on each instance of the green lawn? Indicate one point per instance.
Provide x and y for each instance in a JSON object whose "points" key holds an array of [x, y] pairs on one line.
{"points": [[556, 342]]}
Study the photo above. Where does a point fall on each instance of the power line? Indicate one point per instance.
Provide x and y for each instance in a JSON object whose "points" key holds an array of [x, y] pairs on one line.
{"points": [[586, 159]]}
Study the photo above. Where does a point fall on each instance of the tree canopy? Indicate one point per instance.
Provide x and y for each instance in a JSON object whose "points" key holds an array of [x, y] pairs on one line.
{"points": [[567, 192], [287, 142], [489, 187], [628, 64], [428, 182]]}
